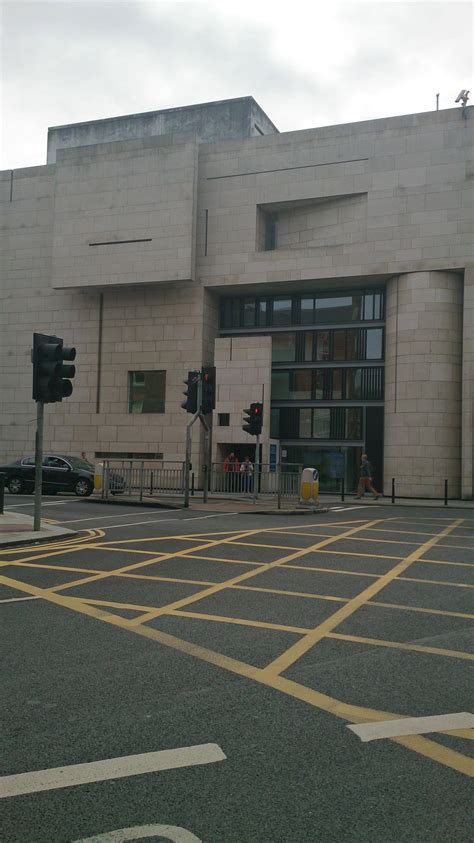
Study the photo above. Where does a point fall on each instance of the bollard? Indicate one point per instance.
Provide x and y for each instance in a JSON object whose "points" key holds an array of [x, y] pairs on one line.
{"points": [[342, 489], [393, 489], [151, 482], [445, 492], [2, 492], [192, 483]]}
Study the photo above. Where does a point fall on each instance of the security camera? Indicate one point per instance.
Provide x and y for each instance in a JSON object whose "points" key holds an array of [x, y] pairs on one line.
{"points": [[463, 96]]}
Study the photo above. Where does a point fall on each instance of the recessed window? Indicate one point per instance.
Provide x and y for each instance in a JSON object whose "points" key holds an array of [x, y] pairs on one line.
{"points": [[374, 341], [271, 232], [353, 384], [147, 392], [323, 351], [338, 308], [337, 380], [281, 311], [280, 386], [353, 423], [339, 345], [307, 310], [305, 423], [283, 348], [322, 423], [224, 419], [249, 313], [352, 344], [300, 389]]}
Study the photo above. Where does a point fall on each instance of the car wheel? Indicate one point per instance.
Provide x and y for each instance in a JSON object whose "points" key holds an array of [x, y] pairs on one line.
{"points": [[15, 485], [83, 488]]}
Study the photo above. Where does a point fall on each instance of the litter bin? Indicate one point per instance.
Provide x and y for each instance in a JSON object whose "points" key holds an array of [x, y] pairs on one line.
{"points": [[309, 486]]}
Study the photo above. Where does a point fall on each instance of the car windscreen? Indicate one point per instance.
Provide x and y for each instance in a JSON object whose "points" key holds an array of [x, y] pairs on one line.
{"points": [[76, 462]]}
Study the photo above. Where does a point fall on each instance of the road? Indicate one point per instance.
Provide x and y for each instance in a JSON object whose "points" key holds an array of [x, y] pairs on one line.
{"points": [[250, 643]]}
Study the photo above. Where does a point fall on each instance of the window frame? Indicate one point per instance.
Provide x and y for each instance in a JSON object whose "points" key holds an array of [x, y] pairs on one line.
{"points": [[131, 385]]}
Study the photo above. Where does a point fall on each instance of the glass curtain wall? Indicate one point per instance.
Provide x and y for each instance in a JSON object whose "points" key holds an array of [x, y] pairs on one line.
{"points": [[327, 375]]}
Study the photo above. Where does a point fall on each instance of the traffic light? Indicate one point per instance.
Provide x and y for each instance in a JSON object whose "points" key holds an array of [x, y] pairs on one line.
{"points": [[254, 420], [191, 393], [208, 378], [51, 374]]}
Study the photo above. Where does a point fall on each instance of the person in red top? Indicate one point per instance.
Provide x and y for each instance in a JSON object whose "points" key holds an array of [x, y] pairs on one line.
{"points": [[232, 472]]}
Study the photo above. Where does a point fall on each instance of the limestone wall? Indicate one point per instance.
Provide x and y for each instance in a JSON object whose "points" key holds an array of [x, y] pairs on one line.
{"points": [[423, 383]]}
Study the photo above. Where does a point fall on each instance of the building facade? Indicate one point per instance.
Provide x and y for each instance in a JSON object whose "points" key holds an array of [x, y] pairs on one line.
{"points": [[327, 272]]}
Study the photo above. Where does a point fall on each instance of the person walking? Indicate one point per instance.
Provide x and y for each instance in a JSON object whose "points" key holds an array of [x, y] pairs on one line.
{"points": [[365, 478], [231, 471], [246, 473]]}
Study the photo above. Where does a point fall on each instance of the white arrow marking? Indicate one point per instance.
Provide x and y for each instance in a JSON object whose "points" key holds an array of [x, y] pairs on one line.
{"points": [[112, 768], [413, 726], [139, 832]]}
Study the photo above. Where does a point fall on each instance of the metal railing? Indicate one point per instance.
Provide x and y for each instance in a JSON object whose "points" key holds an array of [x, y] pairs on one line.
{"points": [[148, 478], [139, 478], [270, 480]]}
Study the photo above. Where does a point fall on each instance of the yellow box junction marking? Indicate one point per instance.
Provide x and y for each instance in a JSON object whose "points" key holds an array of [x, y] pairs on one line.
{"points": [[352, 713], [423, 746], [285, 660]]}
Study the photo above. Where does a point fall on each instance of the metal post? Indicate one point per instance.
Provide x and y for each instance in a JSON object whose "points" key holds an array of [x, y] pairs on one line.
{"points": [[257, 467], [445, 492], [393, 489], [279, 487], [142, 469], [38, 464], [151, 482], [342, 489], [207, 457], [2, 492], [187, 464], [192, 484]]}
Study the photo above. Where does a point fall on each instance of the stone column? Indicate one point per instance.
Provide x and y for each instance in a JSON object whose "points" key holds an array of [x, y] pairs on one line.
{"points": [[467, 490], [423, 353]]}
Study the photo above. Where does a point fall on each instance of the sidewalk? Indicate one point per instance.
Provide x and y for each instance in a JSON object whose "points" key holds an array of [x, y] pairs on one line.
{"points": [[245, 503], [17, 529]]}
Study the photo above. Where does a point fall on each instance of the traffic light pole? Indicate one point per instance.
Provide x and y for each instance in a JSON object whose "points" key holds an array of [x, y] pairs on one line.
{"points": [[207, 457], [257, 467], [38, 464]]}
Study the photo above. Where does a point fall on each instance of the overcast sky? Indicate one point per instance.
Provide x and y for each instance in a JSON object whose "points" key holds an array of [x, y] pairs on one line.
{"points": [[306, 63]]}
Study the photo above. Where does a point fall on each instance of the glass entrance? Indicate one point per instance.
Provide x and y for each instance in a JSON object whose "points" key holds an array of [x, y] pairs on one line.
{"points": [[333, 464]]}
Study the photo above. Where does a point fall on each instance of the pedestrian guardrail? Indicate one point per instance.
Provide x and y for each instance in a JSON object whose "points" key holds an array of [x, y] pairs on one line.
{"points": [[139, 478], [270, 480]]}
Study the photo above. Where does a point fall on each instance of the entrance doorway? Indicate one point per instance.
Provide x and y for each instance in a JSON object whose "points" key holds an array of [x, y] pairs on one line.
{"points": [[332, 462]]}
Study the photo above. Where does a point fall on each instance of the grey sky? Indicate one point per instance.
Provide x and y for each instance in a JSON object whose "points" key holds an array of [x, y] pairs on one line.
{"points": [[307, 65]]}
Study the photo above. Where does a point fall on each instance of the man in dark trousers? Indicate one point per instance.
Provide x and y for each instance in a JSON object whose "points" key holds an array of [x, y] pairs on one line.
{"points": [[365, 478]]}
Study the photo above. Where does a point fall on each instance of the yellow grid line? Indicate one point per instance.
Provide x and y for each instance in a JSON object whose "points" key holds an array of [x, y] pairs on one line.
{"points": [[238, 579], [352, 713], [285, 660]]}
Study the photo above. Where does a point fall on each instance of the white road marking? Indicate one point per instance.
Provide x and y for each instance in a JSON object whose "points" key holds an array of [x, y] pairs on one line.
{"points": [[347, 508], [18, 599], [122, 515], [112, 768], [202, 517], [413, 726], [162, 520], [43, 503], [139, 832]]}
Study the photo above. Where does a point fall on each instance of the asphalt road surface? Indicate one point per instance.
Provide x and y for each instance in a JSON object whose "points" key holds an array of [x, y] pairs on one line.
{"points": [[194, 675]]}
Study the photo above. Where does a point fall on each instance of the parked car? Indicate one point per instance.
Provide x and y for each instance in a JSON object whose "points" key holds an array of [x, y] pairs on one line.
{"points": [[60, 474]]}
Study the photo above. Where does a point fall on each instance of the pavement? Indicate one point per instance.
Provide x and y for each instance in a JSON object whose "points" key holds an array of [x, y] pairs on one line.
{"points": [[242, 503], [17, 528], [192, 675]]}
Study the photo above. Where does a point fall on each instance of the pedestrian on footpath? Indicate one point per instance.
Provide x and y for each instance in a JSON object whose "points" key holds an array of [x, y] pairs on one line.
{"points": [[246, 472], [365, 478], [232, 472]]}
